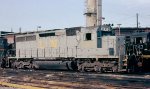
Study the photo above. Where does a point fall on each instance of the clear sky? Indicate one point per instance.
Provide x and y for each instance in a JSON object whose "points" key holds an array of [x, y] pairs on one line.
{"points": [[53, 14]]}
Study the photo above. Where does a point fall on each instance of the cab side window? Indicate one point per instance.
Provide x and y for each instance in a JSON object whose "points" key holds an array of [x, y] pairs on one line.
{"points": [[88, 36]]}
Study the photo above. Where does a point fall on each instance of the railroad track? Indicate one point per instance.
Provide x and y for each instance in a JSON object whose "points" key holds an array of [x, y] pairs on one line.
{"points": [[72, 80], [67, 85]]}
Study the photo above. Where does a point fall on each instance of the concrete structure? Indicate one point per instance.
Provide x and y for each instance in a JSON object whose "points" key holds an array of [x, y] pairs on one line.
{"points": [[93, 13], [124, 31], [3, 33]]}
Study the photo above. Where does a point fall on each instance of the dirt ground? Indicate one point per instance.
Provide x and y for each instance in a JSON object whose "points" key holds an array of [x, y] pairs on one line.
{"points": [[46, 79]]}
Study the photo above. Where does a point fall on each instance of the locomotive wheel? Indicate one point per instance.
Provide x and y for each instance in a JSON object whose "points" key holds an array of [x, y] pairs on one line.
{"points": [[81, 68], [13, 65], [28, 66], [35, 66], [20, 66], [97, 68], [114, 69]]}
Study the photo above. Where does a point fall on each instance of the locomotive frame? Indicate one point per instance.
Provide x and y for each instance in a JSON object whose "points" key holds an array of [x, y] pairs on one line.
{"points": [[78, 48]]}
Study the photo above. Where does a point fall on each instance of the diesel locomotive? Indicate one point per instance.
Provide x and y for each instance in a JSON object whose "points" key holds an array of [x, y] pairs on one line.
{"points": [[78, 48], [81, 49], [138, 51]]}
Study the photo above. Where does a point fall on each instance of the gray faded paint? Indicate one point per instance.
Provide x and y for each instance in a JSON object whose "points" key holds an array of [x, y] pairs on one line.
{"points": [[70, 46]]}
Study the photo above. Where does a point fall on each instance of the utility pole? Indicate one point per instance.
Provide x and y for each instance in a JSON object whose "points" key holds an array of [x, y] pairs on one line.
{"points": [[11, 29], [20, 30], [137, 19]]}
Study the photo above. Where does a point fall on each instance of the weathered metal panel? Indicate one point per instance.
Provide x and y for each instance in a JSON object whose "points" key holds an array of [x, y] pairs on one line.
{"points": [[68, 46]]}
